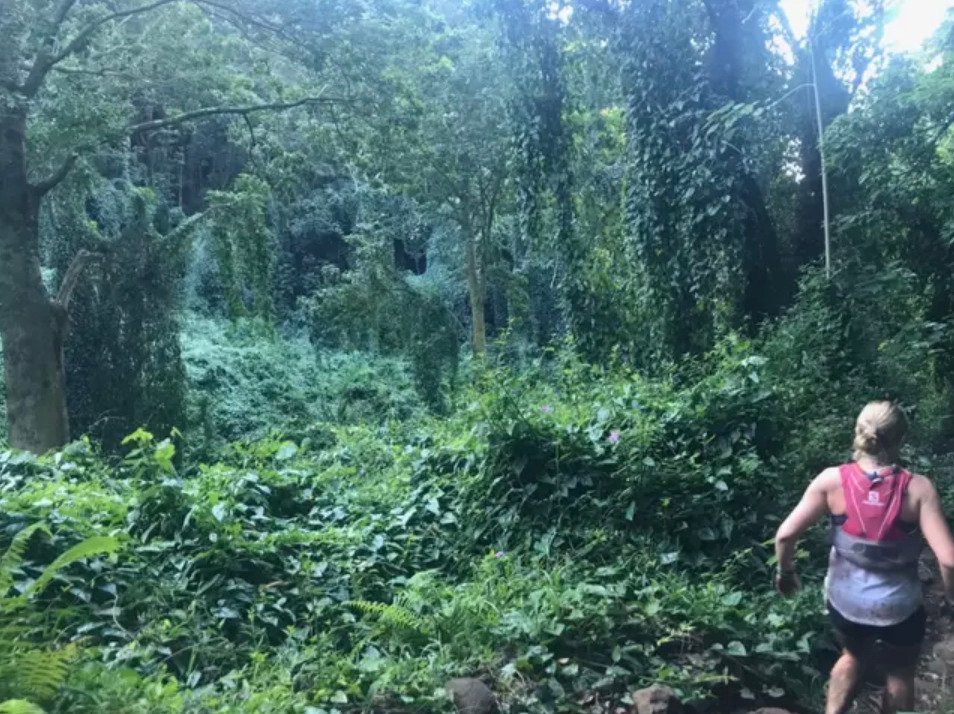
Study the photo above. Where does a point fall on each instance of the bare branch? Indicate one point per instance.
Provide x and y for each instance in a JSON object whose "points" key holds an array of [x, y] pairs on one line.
{"points": [[84, 258], [56, 178], [73, 274], [244, 21], [236, 15], [95, 72], [46, 61], [240, 111]]}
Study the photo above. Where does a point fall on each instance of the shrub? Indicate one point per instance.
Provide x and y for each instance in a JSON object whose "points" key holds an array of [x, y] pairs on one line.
{"points": [[245, 381]]}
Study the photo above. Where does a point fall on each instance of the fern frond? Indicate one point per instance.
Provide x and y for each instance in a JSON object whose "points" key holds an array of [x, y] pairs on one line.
{"points": [[40, 673], [19, 706], [25, 671], [13, 557], [393, 616]]}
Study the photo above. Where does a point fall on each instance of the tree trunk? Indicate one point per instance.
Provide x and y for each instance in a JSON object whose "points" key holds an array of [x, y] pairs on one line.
{"points": [[475, 288], [31, 325], [766, 290]]}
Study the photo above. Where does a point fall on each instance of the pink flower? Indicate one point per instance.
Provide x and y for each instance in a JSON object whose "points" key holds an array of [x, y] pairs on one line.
{"points": [[613, 437], [499, 554], [546, 409]]}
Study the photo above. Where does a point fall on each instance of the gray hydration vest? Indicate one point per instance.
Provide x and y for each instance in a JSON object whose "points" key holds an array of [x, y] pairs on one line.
{"points": [[873, 568]]}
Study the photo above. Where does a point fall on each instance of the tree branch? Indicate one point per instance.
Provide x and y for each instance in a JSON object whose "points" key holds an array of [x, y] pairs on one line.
{"points": [[60, 17], [44, 53], [95, 72], [237, 19], [183, 228], [45, 60], [251, 131], [215, 111], [56, 178], [73, 274]]}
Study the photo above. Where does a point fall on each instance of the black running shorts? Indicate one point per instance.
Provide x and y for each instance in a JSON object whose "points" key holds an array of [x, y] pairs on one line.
{"points": [[905, 637]]}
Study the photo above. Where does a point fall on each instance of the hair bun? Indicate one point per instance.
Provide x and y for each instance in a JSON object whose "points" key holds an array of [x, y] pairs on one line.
{"points": [[879, 431], [866, 438]]}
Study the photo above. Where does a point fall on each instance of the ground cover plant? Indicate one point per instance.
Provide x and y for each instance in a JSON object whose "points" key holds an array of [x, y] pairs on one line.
{"points": [[571, 532]]}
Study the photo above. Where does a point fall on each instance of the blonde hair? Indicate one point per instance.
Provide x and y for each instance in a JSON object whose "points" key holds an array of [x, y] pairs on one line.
{"points": [[879, 431]]}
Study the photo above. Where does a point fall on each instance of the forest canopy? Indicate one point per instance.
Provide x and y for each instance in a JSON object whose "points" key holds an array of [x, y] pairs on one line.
{"points": [[354, 345]]}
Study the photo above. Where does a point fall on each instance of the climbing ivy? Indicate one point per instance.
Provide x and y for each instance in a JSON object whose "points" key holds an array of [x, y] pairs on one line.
{"points": [[244, 246], [689, 204]]}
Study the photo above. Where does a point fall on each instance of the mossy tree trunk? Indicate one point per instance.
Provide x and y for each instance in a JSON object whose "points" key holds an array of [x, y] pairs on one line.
{"points": [[31, 323]]}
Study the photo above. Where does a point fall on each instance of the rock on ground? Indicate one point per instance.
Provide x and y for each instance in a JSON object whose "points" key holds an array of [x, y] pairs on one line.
{"points": [[471, 696], [656, 700]]}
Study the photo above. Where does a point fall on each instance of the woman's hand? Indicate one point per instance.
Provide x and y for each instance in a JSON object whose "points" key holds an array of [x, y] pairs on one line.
{"points": [[787, 582]]}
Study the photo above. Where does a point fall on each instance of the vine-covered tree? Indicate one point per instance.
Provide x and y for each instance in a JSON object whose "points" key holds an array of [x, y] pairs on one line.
{"points": [[701, 234], [454, 154], [91, 40]]}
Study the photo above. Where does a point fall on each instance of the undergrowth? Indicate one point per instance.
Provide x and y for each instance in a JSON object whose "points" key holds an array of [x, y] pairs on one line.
{"points": [[246, 380], [568, 531]]}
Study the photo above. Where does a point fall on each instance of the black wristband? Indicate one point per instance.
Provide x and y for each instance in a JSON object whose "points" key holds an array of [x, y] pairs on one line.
{"points": [[782, 571]]}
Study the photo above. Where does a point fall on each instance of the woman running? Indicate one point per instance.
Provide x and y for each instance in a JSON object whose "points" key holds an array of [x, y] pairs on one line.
{"points": [[879, 513]]}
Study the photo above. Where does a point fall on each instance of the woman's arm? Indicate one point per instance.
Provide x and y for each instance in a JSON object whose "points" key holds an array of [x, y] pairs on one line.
{"points": [[937, 533], [811, 509]]}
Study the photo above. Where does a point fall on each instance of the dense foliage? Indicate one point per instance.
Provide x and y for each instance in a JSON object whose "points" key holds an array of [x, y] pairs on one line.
{"points": [[408, 340]]}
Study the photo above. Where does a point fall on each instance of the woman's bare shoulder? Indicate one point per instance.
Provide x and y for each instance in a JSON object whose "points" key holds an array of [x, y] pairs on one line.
{"points": [[921, 487], [828, 479]]}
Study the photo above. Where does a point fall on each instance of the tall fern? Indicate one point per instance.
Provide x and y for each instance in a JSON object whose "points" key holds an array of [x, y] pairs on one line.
{"points": [[410, 617], [25, 670], [12, 559], [392, 617]]}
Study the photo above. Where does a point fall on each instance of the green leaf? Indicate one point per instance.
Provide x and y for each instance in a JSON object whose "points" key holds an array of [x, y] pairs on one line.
{"points": [[96, 545], [736, 649], [286, 451], [219, 511], [140, 438], [19, 706]]}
